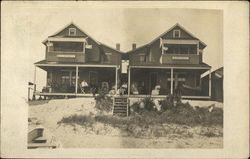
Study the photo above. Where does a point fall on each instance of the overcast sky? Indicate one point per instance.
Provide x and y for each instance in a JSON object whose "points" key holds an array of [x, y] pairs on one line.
{"points": [[34, 22]]}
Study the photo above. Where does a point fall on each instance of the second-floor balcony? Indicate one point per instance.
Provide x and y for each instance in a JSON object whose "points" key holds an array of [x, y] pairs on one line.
{"points": [[180, 59], [65, 51]]}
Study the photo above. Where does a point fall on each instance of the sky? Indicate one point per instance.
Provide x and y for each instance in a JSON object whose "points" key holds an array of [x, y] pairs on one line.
{"points": [[31, 23]]}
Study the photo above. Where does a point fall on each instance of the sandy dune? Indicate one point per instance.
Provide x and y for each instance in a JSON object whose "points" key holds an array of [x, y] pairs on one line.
{"points": [[48, 113]]}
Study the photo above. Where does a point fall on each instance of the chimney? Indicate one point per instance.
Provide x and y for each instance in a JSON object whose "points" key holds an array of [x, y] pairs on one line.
{"points": [[133, 46], [118, 46]]}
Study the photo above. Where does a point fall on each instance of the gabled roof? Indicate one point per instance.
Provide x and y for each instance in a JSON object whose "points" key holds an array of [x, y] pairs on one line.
{"points": [[99, 43], [58, 32], [160, 36]]}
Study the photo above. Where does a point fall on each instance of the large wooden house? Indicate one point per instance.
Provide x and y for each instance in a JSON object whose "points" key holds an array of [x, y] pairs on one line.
{"points": [[171, 62], [72, 56]]}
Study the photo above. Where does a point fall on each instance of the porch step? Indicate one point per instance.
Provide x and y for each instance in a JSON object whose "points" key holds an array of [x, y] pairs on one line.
{"points": [[121, 106]]}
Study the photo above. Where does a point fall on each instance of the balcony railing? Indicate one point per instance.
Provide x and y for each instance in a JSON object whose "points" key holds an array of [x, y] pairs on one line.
{"points": [[180, 59], [61, 56]]}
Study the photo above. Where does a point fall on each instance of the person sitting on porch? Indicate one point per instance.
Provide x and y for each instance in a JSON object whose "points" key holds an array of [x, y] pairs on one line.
{"points": [[123, 88], [83, 86], [134, 89], [156, 90]]}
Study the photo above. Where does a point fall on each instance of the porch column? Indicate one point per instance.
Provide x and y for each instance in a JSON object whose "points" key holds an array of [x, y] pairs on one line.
{"points": [[172, 75], [34, 91], [76, 79], [128, 80], [210, 82], [116, 79]]}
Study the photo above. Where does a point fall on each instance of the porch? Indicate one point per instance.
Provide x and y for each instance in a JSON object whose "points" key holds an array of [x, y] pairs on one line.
{"points": [[78, 79], [161, 81]]}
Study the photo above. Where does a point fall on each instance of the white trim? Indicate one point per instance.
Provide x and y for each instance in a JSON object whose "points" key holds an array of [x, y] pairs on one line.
{"points": [[72, 29], [172, 74], [67, 39], [174, 41], [66, 56], [76, 84], [116, 80], [180, 58], [169, 67], [129, 80], [177, 30], [70, 65]]}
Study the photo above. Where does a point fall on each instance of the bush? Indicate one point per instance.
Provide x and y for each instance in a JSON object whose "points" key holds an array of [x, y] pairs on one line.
{"points": [[184, 113], [103, 102], [166, 104], [147, 104], [77, 119], [135, 107]]}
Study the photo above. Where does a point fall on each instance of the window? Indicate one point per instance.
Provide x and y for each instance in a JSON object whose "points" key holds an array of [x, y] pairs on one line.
{"points": [[72, 31], [68, 46], [142, 57], [177, 34], [68, 77], [107, 57]]}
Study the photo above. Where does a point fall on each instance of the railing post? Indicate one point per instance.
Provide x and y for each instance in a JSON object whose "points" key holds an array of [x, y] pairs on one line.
{"points": [[76, 84], [128, 80], [172, 75], [116, 79], [34, 96], [210, 84]]}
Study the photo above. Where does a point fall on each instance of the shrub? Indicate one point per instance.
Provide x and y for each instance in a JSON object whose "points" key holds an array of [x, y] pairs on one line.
{"points": [[77, 119], [102, 93], [149, 104], [167, 103], [104, 104], [135, 107]]}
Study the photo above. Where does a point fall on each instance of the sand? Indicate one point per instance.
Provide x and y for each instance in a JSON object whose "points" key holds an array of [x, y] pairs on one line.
{"points": [[48, 113]]}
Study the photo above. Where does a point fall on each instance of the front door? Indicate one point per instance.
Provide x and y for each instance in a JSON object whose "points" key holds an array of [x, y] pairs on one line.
{"points": [[152, 81]]}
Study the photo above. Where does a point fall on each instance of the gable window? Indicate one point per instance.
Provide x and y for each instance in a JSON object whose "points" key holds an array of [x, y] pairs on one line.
{"points": [[177, 33], [72, 31]]}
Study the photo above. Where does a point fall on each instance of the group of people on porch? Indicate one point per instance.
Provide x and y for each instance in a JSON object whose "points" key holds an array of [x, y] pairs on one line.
{"points": [[86, 87]]}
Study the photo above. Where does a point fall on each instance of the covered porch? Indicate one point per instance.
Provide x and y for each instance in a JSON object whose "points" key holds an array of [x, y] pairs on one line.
{"points": [[78, 79], [160, 81]]}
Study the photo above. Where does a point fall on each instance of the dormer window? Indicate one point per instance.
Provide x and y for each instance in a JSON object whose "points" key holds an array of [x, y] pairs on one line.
{"points": [[72, 31], [177, 34]]}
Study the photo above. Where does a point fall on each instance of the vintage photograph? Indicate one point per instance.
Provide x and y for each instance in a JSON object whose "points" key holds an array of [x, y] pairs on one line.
{"points": [[125, 78]]}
